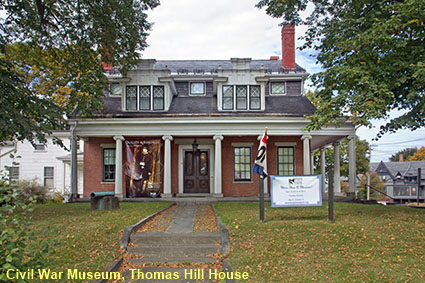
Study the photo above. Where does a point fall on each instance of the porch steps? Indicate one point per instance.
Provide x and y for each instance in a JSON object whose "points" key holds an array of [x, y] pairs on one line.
{"points": [[175, 247]]}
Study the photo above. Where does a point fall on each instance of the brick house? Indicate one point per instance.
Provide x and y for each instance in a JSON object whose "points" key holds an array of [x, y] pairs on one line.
{"points": [[200, 122]]}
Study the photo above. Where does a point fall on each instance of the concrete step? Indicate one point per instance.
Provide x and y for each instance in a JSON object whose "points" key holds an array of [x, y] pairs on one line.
{"points": [[176, 251], [175, 239], [172, 260]]}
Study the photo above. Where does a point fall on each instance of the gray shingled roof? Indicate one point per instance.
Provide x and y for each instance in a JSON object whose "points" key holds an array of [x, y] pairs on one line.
{"points": [[408, 168], [212, 65], [294, 106]]}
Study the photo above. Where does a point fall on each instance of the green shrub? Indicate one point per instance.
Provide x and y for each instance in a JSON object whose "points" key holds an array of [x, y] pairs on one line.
{"points": [[31, 189], [14, 234]]}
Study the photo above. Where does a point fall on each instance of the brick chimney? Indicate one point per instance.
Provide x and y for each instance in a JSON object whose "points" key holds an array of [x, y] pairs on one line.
{"points": [[288, 47], [400, 158]]}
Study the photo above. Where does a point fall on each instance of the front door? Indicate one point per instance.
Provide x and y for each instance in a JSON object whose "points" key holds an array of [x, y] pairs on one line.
{"points": [[196, 171]]}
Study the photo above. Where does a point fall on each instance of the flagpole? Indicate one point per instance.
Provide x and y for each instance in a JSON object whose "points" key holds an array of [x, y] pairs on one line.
{"points": [[261, 198], [261, 194]]}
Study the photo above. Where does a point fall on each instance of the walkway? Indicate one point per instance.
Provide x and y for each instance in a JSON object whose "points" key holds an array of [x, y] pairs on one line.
{"points": [[182, 244]]}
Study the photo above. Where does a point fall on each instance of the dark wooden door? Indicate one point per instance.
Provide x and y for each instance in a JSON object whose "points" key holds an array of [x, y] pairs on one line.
{"points": [[196, 171]]}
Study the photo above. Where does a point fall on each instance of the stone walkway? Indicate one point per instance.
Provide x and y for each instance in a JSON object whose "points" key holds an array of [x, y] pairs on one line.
{"points": [[182, 244]]}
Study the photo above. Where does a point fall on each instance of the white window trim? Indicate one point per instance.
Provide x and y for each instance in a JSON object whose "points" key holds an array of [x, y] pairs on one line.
{"points": [[248, 109], [197, 94], [277, 94], [124, 100], [110, 89]]}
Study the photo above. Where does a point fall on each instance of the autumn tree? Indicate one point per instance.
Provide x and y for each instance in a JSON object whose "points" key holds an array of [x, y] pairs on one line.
{"points": [[419, 155], [407, 153], [51, 55], [372, 55]]}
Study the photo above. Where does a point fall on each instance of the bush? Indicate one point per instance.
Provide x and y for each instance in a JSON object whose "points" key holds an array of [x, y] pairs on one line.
{"points": [[31, 190], [14, 234]]}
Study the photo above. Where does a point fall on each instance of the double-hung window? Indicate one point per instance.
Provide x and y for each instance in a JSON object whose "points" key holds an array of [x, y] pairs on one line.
{"points": [[241, 97], [242, 163], [49, 177], [285, 161], [109, 164], [13, 174], [145, 97]]}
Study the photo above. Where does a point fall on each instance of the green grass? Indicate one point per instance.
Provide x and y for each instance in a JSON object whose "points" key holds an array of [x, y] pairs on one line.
{"points": [[84, 239], [367, 243]]}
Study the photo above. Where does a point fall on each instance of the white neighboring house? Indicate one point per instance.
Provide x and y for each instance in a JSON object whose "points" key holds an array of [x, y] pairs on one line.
{"points": [[48, 163]]}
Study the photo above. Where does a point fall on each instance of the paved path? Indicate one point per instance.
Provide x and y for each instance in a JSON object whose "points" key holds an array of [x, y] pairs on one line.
{"points": [[177, 255]]}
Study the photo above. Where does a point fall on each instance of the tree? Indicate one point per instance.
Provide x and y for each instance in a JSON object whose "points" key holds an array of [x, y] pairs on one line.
{"points": [[407, 153], [375, 182], [372, 57], [52, 58], [419, 155], [362, 158]]}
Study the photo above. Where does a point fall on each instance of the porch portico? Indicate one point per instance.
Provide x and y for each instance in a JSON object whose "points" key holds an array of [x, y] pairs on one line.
{"points": [[216, 138]]}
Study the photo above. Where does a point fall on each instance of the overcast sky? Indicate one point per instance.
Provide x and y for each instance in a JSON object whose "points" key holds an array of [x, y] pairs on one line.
{"points": [[222, 29]]}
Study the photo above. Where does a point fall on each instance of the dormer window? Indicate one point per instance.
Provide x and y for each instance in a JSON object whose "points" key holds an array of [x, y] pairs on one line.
{"points": [[115, 89], [241, 97], [197, 88], [277, 88], [144, 97]]}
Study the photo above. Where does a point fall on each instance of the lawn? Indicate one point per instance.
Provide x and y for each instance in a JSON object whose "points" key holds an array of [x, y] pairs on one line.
{"points": [[84, 239], [367, 243]]}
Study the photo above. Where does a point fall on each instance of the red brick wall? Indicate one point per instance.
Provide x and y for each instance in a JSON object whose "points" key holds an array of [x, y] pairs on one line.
{"points": [[231, 188], [93, 166]]}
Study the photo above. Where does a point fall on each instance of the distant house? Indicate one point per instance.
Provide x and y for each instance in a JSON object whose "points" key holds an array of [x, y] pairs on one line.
{"points": [[401, 179], [47, 163], [191, 127]]}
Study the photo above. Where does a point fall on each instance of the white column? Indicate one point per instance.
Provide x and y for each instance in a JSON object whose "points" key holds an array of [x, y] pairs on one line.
{"points": [[323, 167], [306, 154], [217, 166], [337, 169], [352, 163], [312, 162], [74, 167], [167, 166], [118, 165]]}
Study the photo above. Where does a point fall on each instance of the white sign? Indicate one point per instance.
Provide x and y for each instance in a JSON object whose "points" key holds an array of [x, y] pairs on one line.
{"points": [[296, 190]]}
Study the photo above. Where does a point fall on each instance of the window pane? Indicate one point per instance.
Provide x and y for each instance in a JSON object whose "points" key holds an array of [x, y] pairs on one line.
{"points": [[13, 174], [255, 97], [48, 177], [227, 97], [242, 164], [277, 87], [241, 97], [109, 164], [144, 97], [131, 97], [158, 98], [285, 160], [197, 88], [115, 89]]}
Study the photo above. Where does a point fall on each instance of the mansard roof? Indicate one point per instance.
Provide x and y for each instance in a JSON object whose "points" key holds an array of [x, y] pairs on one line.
{"points": [[289, 106]]}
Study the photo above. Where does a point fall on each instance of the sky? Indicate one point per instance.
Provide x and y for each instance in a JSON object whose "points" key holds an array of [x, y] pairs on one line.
{"points": [[223, 29]]}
